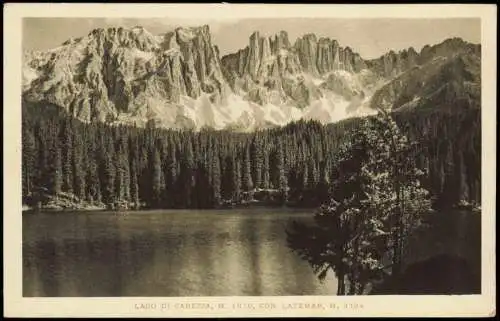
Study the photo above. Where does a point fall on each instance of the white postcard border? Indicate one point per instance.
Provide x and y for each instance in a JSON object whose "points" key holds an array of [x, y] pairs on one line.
{"points": [[463, 305]]}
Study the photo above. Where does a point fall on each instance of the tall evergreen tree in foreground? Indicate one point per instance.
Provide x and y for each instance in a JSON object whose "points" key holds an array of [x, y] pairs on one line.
{"points": [[375, 204], [395, 190]]}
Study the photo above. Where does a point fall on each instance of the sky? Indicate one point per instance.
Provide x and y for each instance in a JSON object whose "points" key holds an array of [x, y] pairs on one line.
{"points": [[370, 37]]}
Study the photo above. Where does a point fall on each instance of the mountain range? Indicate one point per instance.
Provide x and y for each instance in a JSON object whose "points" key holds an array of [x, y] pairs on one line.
{"points": [[179, 79]]}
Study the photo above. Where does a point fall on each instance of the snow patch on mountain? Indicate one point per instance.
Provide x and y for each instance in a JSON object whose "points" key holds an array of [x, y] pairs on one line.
{"points": [[139, 54], [29, 75], [185, 34], [239, 114]]}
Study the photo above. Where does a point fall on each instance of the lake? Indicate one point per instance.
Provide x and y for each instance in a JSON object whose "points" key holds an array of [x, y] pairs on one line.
{"points": [[233, 252], [165, 253]]}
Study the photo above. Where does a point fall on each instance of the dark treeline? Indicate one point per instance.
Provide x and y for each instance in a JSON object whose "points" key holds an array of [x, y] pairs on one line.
{"points": [[160, 168]]}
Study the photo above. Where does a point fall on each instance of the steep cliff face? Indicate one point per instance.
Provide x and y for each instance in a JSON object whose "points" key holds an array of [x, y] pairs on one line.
{"points": [[257, 72], [321, 79], [273, 59], [117, 73], [178, 79], [320, 56], [392, 64]]}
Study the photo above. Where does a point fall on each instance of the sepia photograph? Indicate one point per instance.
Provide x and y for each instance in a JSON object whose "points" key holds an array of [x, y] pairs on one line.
{"points": [[236, 157]]}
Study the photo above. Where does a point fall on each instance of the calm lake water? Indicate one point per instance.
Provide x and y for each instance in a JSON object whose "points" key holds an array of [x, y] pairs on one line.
{"points": [[198, 253], [165, 253]]}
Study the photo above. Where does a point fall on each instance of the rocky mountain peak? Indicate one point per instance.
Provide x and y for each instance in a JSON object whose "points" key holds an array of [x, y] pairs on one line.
{"points": [[179, 79], [412, 51], [280, 41], [267, 46], [394, 63], [126, 71], [309, 37], [447, 48], [136, 37], [186, 34], [254, 36]]}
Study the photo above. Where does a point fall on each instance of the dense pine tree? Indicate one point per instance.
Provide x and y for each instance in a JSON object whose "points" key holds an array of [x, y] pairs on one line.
{"points": [[28, 159], [257, 158], [171, 174], [157, 181], [93, 185], [216, 181], [66, 144], [376, 203], [55, 177], [79, 162], [134, 184], [247, 171], [237, 181], [265, 169], [186, 180], [107, 170], [282, 175]]}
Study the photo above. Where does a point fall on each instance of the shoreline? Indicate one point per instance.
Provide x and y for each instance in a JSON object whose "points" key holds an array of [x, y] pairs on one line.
{"points": [[224, 205], [253, 205], [312, 210], [26, 208]]}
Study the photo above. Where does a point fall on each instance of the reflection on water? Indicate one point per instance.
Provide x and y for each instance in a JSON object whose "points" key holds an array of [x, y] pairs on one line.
{"points": [[165, 253]]}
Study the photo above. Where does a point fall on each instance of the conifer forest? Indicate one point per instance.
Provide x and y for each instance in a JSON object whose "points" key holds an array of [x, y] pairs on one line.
{"points": [[293, 165]]}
